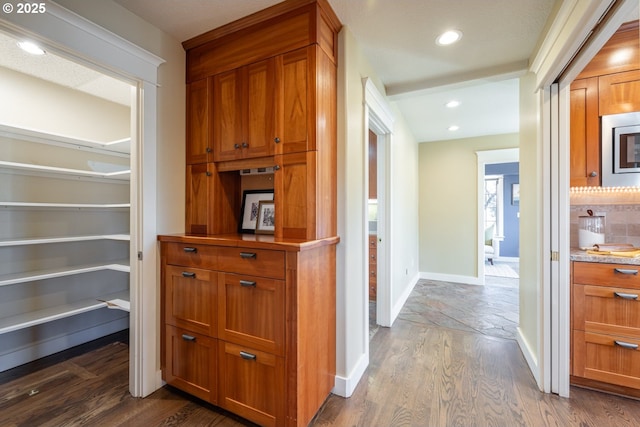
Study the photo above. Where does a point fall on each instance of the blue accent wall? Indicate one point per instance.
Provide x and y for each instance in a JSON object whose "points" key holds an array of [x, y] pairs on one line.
{"points": [[510, 246]]}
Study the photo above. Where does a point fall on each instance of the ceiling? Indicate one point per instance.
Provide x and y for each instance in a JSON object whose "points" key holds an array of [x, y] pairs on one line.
{"points": [[398, 39]]}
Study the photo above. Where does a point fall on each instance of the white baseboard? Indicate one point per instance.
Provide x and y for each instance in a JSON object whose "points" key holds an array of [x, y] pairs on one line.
{"points": [[508, 259], [530, 357], [344, 387], [48, 347], [395, 310], [466, 280]]}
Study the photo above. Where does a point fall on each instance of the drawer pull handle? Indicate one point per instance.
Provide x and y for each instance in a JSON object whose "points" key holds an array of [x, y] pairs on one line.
{"points": [[625, 295], [189, 274], [247, 356], [247, 283], [626, 271], [247, 255], [191, 250], [188, 338], [626, 345]]}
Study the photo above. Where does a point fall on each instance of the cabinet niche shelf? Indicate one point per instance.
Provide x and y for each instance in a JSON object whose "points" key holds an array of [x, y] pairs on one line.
{"points": [[39, 317]]}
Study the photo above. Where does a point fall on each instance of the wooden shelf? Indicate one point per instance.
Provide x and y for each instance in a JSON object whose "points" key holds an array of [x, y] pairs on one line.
{"points": [[26, 320], [121, 175], [31, 276], [120, 147], [61, 239]]}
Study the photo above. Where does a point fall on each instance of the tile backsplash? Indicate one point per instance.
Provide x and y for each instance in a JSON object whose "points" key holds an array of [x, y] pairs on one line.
{"points": [[621, 212]]}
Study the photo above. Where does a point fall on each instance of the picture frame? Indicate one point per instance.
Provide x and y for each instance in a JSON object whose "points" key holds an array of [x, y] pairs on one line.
{"points": [[250, 208], [266, 217], [515, 193]]}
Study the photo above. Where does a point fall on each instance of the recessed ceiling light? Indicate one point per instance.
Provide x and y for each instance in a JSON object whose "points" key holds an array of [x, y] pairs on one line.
{"points": [[454, 128], [449, 37], [452, 104], [31, 48]]}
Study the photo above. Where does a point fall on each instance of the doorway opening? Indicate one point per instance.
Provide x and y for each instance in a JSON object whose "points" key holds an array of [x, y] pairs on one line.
{"points": [[501, 224]]}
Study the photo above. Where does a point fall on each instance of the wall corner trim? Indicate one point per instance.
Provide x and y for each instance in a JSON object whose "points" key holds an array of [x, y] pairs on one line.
{"points": [[345, 386]]}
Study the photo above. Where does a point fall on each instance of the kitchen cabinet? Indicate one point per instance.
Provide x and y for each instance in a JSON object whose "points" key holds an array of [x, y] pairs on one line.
{"points": [[199, 147], [271, 358], [606, 327], [585, 133], [605, 86], [373, 267], [244, 111], [260, 341], [64, 241], [619, 93]]}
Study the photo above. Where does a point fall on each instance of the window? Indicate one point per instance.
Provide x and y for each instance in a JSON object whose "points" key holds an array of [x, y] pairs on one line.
{"points": [[493, 200]]}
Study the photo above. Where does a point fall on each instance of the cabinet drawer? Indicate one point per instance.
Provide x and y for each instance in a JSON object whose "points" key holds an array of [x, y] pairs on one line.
{"points": [[199, 256], [601, 274], [251, 312], [191, 363], [191, 299], [254, 262], [606, 310], [606, 358], [252, 384]]}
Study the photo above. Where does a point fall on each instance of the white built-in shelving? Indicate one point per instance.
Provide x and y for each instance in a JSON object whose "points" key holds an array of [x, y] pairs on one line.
{"points": [[118, 300], [77, 159]]}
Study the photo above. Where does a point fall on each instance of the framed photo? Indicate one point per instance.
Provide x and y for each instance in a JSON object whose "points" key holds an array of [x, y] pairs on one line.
{"points": [[266, 217], [250, 206], [515, 194]]}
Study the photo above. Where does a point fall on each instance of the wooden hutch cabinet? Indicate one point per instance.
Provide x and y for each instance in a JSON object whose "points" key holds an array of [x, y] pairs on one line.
{"points": [[248, 320]]}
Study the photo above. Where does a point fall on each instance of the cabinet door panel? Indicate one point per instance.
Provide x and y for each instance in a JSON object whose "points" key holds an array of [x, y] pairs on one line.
{"points": [[251, 312], [227, 115], [197, 198], [296, 97], [295, 182], [198, 122], [261, 107], [585, 133], [599, 357], [620, 93], [607, 310], [252, 384], [191, 363], [191, 299]]}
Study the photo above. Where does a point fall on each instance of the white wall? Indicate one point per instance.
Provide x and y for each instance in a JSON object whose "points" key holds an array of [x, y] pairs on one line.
{"points": [[449, 205], [352, 340], [170, 101], [531, 218]]}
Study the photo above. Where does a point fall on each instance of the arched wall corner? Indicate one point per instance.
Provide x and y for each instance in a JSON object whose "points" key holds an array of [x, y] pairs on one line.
{"points": [[63, 31]]}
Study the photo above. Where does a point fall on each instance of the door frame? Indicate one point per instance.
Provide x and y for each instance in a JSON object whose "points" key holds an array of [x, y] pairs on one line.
{"points": [[378, 118], [70, 35], [487, 157]]}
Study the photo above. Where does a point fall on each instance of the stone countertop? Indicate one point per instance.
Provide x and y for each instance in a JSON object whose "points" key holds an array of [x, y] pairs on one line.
{"points": [[583, 256]]}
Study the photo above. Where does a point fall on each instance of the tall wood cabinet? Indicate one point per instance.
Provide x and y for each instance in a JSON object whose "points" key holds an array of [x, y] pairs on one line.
{"points": [[249, 320]]}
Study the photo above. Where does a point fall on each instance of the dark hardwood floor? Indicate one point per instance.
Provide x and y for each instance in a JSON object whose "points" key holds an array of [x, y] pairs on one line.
{"points": [[419, 375]]}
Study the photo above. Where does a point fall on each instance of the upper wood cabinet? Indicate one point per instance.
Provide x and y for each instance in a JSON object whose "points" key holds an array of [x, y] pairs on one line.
{"points": [[620, 93], [244, 112], [198, 148], [585, 133]]}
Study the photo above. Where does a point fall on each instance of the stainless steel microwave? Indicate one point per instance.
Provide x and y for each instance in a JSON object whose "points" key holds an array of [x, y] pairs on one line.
{"points": [[621, 150]]}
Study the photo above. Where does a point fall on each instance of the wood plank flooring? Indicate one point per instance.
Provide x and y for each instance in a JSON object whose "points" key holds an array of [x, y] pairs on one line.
{"points": [[419, 375]]}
